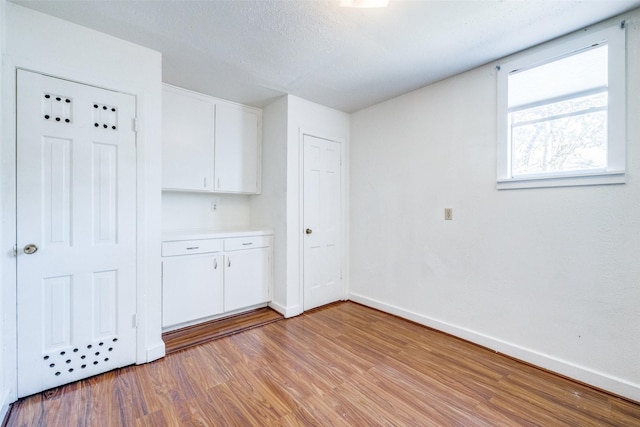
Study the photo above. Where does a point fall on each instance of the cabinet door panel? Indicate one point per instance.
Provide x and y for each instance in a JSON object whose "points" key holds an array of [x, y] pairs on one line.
{"points": [[246, 278], [236, 150], [191, 288], [187, 141]]}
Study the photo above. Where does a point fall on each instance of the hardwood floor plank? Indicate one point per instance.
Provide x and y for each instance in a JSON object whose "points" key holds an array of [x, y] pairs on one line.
{"points": [[341, 365], [299, 417], [299, 335], [501, 417], [201, 333], [432, 400], [383, 399], [553, 395], [153, 419], [230, 408], [624, 412], [130, 393], [514, 406]]}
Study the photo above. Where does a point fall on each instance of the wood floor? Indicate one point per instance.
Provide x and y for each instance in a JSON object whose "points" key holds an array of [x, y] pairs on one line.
{"points": [[344, 365], [208, 331]]}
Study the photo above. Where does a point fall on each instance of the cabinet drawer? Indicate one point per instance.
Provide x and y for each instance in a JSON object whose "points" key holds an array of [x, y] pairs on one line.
{"points": [[188, 247], [240, 243]]}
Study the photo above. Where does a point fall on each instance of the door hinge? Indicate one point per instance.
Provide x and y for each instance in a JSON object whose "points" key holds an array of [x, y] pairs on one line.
{"points": [[15, 250], [135, 124], [134, 321]]}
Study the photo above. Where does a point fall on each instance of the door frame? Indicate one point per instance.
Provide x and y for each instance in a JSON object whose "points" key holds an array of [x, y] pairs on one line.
{"points": [[344, 208], [149, 344]]}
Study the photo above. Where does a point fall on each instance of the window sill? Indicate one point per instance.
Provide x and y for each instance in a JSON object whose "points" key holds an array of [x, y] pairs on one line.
{"points": [[603, 178]]}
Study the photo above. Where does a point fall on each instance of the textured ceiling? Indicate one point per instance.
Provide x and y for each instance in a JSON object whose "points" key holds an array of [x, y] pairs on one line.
{"points": [[255, 51]]}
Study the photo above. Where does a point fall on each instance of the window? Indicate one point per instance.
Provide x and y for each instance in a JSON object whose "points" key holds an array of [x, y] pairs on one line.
{"points": [[561, 114]]}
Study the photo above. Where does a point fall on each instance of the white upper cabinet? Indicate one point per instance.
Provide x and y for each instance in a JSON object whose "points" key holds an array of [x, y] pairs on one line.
{"points": [[187, 141], [236, 149], [209, 144]]}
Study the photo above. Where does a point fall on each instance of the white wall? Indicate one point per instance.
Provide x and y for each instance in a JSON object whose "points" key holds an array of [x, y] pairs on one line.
{"points": [[268, 209], [41, 43], [550, 276], [193, 211], [279, 205]]}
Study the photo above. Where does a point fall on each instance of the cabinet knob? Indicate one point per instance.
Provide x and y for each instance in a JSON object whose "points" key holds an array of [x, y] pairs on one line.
{"points": [[308, 231]]}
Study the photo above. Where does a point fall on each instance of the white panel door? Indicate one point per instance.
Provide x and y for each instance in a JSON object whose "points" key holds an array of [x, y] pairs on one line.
{"points": [[236, 149], [76, 231], [322, 222]]}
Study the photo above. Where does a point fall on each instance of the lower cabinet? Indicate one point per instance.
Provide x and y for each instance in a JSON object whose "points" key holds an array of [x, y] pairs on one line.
{"points": [[244, 273], [206, 278], [191, 288]]}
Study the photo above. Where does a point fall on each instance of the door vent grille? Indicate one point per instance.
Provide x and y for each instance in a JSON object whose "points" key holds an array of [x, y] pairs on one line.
{"points": [[73, 360], [105, 116], [57, 108]]}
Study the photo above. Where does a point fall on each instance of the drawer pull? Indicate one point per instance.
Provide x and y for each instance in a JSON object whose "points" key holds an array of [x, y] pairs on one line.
{"points": [[193, 247], [247, 244]]}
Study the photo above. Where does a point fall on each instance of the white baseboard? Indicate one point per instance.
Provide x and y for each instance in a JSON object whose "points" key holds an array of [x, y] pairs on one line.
{"points": [[601, 380], [155, 352], [287, 312]]}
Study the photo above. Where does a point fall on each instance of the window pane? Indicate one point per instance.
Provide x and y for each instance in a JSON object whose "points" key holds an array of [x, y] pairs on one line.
{"points": [[582, 103], [576, 73], [570, 143]]}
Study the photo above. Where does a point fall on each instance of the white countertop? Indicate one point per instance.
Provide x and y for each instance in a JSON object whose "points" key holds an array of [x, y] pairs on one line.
{"points": [[169, 236]]}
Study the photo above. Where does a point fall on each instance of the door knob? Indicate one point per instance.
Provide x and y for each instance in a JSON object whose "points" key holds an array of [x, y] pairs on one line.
{"points": [[308, 231], [30, 249]]}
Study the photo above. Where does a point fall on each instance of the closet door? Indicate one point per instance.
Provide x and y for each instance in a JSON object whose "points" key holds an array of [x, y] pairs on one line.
{"points": [[76, 231], [322, 253]]}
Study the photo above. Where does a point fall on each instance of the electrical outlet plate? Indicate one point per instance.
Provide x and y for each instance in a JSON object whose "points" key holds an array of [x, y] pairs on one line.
{"points": [[448, 214], [215, 204]]}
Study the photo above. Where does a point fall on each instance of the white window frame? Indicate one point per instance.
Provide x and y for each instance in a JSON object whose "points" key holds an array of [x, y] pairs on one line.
{"points": [[614, 173]]}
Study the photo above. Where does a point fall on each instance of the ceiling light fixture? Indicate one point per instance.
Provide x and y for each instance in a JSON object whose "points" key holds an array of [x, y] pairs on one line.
{"points": [[364, 3]]}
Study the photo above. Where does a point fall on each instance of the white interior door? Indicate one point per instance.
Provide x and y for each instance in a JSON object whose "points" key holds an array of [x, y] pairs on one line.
{"points": [[76, 231], [322, 222]]}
